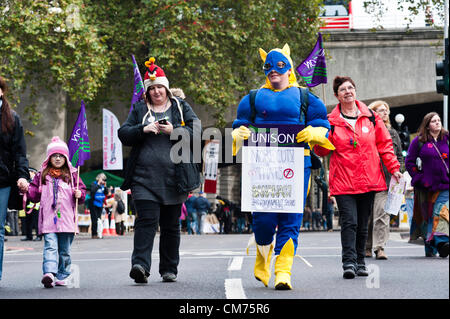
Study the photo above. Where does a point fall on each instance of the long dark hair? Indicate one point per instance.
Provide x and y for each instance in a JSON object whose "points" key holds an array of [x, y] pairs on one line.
{"points": [[7, 118], [424, 132]]}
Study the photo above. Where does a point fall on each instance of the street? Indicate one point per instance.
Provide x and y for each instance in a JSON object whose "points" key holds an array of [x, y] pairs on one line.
{"points": [[217, 267]]}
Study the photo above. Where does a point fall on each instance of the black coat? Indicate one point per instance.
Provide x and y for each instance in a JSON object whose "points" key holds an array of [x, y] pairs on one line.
{"points": [[131, 133], [13, 161], [13, 155]]}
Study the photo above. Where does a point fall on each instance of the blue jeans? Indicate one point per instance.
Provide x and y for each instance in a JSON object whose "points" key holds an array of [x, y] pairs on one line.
{"points": [[4, 196], [57, 254], [410, 209], [192, 223]]}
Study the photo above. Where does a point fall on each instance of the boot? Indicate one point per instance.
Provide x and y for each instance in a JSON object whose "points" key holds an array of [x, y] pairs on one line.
{"points": [[283, 266], [262, 263]]}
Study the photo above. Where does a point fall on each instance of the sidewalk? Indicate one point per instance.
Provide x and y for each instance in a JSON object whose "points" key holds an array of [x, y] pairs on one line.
{"points": [[336, 227]]}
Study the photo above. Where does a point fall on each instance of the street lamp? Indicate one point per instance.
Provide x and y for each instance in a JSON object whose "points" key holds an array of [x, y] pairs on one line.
{"points": [[403, 133], [399, 119]]}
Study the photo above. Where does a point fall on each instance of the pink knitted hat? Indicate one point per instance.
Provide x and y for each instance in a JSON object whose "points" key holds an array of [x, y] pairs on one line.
{"points": [[57, 146]]}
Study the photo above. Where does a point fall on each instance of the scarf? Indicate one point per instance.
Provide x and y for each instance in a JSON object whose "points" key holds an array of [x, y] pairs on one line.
{"points": [[55, 172]]}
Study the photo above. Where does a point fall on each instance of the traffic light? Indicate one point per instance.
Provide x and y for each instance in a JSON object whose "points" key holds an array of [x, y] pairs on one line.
{"points": [[442, 70], [405, 140]]}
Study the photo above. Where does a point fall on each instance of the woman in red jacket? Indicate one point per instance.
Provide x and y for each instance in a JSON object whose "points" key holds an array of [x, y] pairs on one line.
{"points": [[361, 140]]}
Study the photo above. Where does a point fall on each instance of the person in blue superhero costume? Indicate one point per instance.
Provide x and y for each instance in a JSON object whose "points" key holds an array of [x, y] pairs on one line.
{"points": [[278, 102]]}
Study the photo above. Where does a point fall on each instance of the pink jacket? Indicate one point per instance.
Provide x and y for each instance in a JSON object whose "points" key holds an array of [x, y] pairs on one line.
{"points": [[49, 222]]}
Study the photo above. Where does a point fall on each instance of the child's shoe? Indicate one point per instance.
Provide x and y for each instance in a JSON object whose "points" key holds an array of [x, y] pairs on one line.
{"points": [[62, 282], [48, 280]]}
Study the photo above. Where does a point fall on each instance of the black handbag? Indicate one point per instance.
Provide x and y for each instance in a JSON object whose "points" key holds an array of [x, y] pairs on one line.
{"points": [[187, 177]]}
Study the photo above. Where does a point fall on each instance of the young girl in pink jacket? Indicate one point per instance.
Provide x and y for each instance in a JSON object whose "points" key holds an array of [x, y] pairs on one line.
{"points": [[55, 187]]}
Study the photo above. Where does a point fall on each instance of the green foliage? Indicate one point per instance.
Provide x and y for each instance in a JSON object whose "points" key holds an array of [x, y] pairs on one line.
{"points": [[208, 48], [41, 48]]}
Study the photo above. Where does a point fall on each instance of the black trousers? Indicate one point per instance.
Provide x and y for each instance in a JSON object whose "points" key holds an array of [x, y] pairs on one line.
{"points": [[149, 215], [354, 211], [96, 213]]}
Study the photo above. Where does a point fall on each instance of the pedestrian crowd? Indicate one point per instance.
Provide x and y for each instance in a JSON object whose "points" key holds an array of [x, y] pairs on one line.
{"points": [[365, 156]]}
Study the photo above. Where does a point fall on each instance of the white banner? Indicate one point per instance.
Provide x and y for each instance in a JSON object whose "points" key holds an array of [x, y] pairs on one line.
{"points": [[112, 147], [211, 159], [272, 179]]}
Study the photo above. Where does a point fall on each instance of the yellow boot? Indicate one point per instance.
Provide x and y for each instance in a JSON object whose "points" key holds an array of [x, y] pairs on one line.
{"points": [[283, 265], [262, 263]]}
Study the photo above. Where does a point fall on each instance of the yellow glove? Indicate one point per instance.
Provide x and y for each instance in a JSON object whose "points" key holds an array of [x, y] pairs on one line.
{"points": [[313, 136], [239, 135]]}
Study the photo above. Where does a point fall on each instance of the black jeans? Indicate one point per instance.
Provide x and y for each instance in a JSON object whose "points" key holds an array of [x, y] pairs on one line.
{"points": [[149, 215], [354, 211], [96, 213]]}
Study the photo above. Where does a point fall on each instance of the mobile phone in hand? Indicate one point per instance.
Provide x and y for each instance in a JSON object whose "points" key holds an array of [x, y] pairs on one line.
{"points": [[163, 121]]}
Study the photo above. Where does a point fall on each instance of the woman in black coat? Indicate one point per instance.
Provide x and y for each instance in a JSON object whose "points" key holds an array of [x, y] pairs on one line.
{"points": [[159, 185], [14, 173]]}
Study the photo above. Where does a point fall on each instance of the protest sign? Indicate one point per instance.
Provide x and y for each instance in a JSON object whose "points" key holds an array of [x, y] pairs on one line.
{"points": [[273, 170]]}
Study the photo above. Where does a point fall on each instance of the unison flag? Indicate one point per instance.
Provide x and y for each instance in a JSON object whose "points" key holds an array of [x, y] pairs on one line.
{"points": [[138, 84], [79, 148], [314, 69]]}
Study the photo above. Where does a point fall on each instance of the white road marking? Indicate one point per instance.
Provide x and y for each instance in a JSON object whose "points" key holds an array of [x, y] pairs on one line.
{"points": [[304, 260], [233, 289], [236, 264]]}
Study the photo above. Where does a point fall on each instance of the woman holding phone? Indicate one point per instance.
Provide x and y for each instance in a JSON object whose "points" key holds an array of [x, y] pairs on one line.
{"points": [[152, 175]]}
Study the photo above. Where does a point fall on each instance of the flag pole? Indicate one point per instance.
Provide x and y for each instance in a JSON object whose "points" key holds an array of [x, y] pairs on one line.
{"points": [[76, 200], [323, 94]]}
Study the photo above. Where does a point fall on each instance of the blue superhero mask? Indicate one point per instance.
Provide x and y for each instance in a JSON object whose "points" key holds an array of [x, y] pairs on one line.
{"points": [[276, 61]]}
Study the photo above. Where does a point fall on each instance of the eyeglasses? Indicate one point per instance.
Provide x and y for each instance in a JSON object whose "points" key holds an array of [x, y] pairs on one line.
{"points": [[57, 156], [348, 88]]}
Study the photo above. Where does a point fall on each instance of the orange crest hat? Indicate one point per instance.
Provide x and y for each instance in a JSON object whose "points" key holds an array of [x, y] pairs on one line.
{"points": [[155, 76]]}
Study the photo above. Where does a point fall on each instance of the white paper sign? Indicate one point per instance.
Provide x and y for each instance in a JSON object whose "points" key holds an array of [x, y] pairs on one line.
{"points": [[272, 179], [395, 196], [211, 160]]}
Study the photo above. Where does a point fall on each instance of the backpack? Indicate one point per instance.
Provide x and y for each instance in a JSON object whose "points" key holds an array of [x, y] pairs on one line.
{"points": [[120, 207], [304, 101]]}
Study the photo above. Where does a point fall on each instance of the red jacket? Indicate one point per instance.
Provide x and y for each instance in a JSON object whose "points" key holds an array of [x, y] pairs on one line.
{"points": [[356, 170]]}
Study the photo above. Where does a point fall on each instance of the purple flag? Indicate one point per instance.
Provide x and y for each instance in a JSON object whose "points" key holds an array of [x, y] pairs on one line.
{"points": [[314, 69], [138, 84], [79, 148]]}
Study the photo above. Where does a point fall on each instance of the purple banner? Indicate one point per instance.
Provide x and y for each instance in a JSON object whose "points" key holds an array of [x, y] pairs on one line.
{"points": [[138, 89], [79, 147], [313, 69]]}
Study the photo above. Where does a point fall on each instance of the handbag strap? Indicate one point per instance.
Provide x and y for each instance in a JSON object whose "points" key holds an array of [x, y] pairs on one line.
{"points": [[440, 156]]}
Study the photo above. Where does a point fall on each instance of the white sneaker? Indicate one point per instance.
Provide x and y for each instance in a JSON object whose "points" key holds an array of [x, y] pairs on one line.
{"points": [[48, 280]]}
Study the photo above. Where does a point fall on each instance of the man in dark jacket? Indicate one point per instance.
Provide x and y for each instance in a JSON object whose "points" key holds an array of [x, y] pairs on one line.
{"points": [[202, 206]]}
